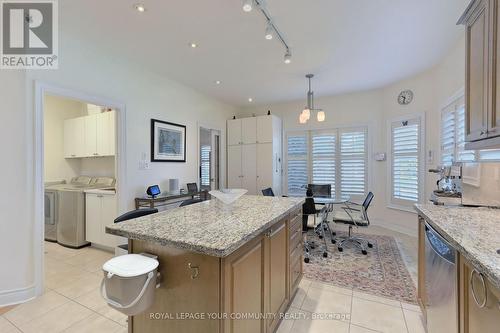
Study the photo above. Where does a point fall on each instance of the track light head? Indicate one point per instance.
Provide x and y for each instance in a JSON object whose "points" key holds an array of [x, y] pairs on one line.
{"points": [[247, 5], [288, 57], [269, 31]]}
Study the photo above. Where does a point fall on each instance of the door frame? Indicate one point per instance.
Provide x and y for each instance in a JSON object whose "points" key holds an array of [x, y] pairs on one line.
{"points": [[41, 89], [222, 152]]}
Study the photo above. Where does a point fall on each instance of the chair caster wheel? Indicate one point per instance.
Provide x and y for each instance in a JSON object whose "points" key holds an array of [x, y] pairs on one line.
{"points": [[364, 252], [312, 247], [370, 245], [340, 249], [306, 260], [325, 255], [334, 233], [334, 241], [320, 237]]}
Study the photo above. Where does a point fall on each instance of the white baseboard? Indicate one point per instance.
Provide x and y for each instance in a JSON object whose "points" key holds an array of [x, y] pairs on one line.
{"points": [[404, 229], [16, 296]]}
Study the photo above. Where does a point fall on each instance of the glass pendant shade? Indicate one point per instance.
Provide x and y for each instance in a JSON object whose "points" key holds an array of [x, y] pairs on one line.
{"points": [[321, 116], [302, 118], [307, 113]]}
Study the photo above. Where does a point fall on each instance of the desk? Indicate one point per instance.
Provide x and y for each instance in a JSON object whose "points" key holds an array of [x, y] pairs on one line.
{"points": [[167, 199]]}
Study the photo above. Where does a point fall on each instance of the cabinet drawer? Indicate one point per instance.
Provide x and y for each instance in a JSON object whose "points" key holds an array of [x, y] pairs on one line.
{"points": [[295, 223], [296, 252], [295, 238]]}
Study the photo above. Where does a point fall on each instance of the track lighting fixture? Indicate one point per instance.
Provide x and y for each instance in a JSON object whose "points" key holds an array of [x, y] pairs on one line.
{"points": [[288, 57], [269, 31], [247, 5]]}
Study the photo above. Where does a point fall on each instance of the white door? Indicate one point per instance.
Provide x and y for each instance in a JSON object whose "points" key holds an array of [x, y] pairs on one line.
{"points": [[102, 134], [265, 168], [93, 229], [249, 130], [248, 167], [108, 215], [234, 167], [234, 132], [264, 129], [91, 135]]}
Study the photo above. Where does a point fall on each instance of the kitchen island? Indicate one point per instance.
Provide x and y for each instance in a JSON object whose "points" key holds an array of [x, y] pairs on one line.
{"points": [[474, 234], [223, 269]]}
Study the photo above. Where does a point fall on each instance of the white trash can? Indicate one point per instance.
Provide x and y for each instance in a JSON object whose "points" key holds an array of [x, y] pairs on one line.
{"points": [[129, 283]]}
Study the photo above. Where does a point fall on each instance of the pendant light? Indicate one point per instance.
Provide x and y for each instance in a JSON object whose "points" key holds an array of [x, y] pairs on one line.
{"points": [[305, 115]]}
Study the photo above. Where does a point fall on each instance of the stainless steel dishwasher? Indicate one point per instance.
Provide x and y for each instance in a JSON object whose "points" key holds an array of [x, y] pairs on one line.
{"points": [[441, 283]]}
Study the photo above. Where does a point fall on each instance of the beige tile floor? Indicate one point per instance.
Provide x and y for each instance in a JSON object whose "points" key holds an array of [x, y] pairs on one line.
{"points": [[72, 302]]}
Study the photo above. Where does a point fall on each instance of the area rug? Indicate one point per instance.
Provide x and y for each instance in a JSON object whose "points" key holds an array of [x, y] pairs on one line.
{"points": [[382, 272]]}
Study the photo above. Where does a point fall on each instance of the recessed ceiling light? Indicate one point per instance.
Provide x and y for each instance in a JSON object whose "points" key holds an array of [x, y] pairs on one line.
{"points": [[250, 99], [217, 82], [140, 7], [193, 45]]}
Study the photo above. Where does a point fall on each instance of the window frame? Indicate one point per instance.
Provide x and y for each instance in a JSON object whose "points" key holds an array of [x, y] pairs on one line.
{"points": [[400, 204], [367, 128]]}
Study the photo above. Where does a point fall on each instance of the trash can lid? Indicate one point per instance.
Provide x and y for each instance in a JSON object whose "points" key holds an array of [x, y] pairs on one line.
{"points": [[130, 265]]}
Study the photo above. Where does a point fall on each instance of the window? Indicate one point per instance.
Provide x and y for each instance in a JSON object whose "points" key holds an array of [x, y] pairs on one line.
{"points": [[406, 162], [205, 165], [453, 137], [337, 157]]}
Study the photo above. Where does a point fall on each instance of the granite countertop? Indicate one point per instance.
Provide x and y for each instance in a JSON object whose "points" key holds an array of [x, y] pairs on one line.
{"points": [[474, 232], [209, 227]]}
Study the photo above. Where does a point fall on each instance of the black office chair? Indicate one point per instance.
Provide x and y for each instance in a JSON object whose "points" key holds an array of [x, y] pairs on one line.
{"points": [[268, 192], [309, 208], [355, 215], [190, 202], [320, 190], [133, 215], [192, 187]]}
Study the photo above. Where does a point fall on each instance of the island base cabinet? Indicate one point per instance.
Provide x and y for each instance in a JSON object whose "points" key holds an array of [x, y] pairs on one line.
{"points": [[244, 292], [481, 302]]}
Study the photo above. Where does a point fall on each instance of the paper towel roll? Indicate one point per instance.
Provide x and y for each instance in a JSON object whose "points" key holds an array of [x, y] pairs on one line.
{"points": [[173, 185]]}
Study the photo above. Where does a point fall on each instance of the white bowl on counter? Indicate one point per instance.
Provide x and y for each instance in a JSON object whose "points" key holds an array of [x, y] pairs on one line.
{"points": [[228, 196]]}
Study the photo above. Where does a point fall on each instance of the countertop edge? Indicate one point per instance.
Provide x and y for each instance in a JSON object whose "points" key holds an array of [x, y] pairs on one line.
{"points": [[486, 270], [220, 253]]}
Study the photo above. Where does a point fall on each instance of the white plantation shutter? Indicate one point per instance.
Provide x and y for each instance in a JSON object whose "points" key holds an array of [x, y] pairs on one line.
{"points": [[353, 163], [406, 164], [462, 154], [297, 163], [205, 165], [448, 135], [324, 146]]}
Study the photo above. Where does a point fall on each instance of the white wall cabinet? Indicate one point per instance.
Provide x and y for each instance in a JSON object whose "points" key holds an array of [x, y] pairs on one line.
{"points": [[254, 153], [74, 138], [100, 211], [90, 136]]}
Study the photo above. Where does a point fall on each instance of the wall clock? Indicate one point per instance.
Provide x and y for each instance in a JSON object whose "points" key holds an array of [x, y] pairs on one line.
{"points": [[405, 97]]}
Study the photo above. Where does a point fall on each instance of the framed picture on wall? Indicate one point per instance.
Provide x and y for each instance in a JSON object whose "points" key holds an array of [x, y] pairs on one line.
{"points": [[168, 142]]}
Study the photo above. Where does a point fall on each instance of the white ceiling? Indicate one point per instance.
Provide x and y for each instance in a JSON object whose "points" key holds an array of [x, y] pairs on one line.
{"points": [[350, 45]]}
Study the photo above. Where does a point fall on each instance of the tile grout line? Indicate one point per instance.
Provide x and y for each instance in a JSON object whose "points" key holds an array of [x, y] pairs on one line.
{"points": [[404, 317]]}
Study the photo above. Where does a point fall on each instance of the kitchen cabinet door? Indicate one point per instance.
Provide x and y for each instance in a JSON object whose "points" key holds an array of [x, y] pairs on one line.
{"points": [[244, 287], [249, 168], [477, 63], [234, 172], [74, 138], [277, 264], [234, 132], [93, 229], [103, 143], [91, 135], [108, 215], [265, 169], [249, 130], [264, 129], [111, 133]]}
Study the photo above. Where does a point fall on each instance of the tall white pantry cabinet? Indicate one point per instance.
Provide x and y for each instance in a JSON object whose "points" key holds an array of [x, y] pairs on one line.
{"points": [[254, 156]]}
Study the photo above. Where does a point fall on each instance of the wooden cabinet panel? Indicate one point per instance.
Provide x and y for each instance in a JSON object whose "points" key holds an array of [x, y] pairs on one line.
{"points": [[249, 168], [264, 165], [234, 132], [494, 117], [249, 130], [477, 73], [234, 171], [264, 129], [278, 272], [244, 287]]}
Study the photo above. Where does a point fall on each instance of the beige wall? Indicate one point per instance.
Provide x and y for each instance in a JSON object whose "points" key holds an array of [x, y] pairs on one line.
{"points": [[374, 108]]}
